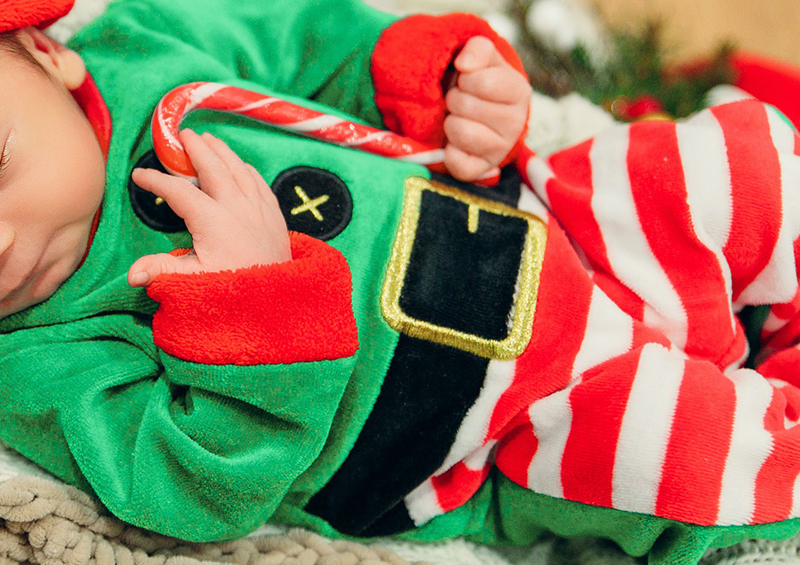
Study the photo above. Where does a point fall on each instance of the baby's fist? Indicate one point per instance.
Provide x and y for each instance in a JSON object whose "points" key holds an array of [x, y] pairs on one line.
{"points": [[488, 108]]}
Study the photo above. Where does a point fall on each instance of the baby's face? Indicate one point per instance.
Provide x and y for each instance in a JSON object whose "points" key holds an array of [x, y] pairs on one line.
{"points": [[52, 178]]}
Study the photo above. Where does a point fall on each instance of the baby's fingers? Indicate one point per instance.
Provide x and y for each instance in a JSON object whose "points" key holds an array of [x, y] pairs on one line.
{"points": [[237, 168], [503, 85], [466, 167], [507, 120], [213, 175], [185, 199], [478, 53], [476, 139], [147, 268]]}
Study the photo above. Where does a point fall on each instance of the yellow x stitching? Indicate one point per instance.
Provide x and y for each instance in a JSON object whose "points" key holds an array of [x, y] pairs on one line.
{"points": [[308, 204]]}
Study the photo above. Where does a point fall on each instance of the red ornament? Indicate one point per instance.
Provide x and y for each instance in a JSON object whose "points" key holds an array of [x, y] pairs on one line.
{"points": [[640, 108], [644, 106]]}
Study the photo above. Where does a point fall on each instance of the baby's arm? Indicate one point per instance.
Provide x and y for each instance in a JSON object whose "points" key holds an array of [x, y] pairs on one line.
{"points": [[488, 110], [481, 118], [198, 427]]}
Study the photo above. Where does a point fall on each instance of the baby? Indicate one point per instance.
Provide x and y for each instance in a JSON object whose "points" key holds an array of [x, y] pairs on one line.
{"points": [[437, 360], [487, 112]]}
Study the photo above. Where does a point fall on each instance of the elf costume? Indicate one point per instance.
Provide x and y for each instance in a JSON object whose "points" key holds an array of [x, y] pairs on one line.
{"points": [[435, 361]]}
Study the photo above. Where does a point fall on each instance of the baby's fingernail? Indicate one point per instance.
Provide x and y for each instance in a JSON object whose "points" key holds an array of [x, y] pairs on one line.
{"points": [[138, 279], [466, 60]]}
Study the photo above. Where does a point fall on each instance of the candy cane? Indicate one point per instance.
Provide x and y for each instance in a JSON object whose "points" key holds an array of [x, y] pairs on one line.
{"points": [[181, 101]]}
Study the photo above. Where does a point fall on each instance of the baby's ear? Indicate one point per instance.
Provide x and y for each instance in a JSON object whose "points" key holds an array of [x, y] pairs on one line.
{"points": [[64, 64]]}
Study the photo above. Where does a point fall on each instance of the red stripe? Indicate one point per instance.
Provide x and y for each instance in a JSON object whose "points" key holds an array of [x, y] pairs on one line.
{"points": [[786, 336], [598, 406], [775, 480], [622, 296], [516, 450], [737, 350], [784, 365], [643, 334], [789, 309], [570, 196], [562, 307], [756, 187], [694, 463], [659, 191], [457, 485], [792, 395]]}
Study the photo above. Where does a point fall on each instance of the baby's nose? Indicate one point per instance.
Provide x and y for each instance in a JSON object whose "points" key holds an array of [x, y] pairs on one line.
{"points": [[7, 235]]}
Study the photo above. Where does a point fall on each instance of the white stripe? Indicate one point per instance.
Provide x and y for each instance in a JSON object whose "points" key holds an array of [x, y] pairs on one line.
{"points": [[646, 428], [749, 447], [528, 202], [196, 96], [374, 136], [539, 174], [199, 94], [314, 124], [777, 283], [738, 363], [477, 461], [701, 143], [165, 131], [609, 333], [472, 433], [552, 419], [773, 323], [422, 503], [254, 105], [628, 251]]}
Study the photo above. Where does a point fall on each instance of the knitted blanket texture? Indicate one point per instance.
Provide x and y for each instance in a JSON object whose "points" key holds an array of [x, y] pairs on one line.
{"points": [[45, 522]]}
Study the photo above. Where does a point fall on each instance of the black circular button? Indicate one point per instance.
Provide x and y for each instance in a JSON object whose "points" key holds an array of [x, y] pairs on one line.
{"points": [[152, 210], [314, 201]]}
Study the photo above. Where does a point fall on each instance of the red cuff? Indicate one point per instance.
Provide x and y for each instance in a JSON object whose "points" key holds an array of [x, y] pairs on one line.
{"points": [[297, 311], [409, 64]]}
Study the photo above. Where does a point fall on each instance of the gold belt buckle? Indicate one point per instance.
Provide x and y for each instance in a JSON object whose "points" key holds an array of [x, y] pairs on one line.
{"points": [[518, 320]]}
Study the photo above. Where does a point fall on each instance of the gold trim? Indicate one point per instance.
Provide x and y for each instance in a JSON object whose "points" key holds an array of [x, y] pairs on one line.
{"points": [[524, 305], [308, 204], [473, 215]]}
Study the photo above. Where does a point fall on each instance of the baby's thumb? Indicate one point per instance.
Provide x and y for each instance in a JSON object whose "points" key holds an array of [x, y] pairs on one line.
{"points": [[147, 268], [478, 53]]}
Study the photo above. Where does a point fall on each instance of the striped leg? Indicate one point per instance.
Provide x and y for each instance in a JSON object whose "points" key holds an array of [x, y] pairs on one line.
{"points": [[681, 226], [630, 395], [684, 224]]}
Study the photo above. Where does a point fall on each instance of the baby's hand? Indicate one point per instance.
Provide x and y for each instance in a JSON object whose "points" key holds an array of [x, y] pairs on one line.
{"points": [[233, 217], [488, 108]]}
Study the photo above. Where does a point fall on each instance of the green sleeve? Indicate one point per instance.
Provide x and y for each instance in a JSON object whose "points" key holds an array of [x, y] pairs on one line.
{"points": [[314, 49], [199, 452]]}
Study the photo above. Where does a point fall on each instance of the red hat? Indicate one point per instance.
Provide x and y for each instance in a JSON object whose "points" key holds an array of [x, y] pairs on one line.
{"points": [[16, 14]]}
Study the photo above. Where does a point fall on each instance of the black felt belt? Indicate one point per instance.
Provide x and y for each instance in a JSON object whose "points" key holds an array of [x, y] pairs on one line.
{"points": [[461, 273]]}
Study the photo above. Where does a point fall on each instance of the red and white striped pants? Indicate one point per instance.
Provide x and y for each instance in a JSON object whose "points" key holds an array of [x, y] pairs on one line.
{"points": [[631, 393]]}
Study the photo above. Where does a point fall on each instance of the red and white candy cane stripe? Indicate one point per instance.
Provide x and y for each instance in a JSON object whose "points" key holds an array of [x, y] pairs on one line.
{"points": [[277, 112]]}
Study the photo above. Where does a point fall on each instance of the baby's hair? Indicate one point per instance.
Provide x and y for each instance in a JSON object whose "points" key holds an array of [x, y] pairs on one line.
{"points": [[10, 43]]}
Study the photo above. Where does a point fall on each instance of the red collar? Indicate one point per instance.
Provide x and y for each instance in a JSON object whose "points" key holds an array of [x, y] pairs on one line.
{"points": [[89, 99]]}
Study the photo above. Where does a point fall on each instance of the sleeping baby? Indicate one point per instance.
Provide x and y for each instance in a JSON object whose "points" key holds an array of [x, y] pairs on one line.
{"points": [[330, 339]]}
